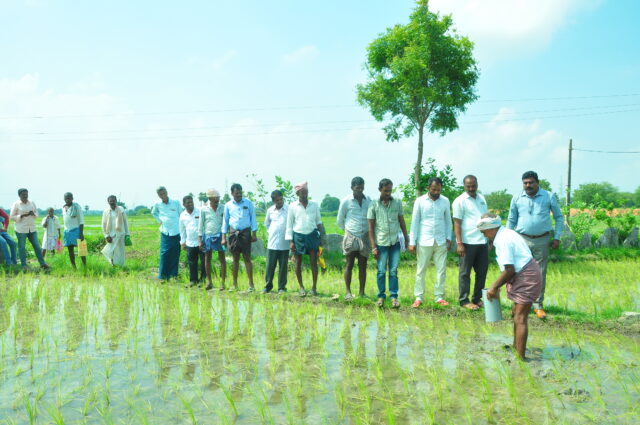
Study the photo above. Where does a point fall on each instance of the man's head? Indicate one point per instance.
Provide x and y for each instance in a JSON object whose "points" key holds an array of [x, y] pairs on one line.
{"points": [[113, 201], [214, 197], [470, 183], [236, 192], [277, 199], [385, 187], [68, 199], [489, 224], [162, 194], [187, 203], [50, 212], [302, 190], [530, 182], [23, 194], [434, 186], [357, 187]]}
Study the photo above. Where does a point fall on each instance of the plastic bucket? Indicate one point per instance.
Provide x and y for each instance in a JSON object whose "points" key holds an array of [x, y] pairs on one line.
{"points": [[492, 311]]}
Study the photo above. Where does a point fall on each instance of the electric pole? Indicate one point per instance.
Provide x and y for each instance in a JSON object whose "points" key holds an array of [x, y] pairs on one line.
{"points": [[569, 182]]}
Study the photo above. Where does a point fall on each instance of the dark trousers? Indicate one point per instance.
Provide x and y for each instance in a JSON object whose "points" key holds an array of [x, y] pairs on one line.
{"points": [[195, 255], [281, 257], [476, 257], [169, 256]]}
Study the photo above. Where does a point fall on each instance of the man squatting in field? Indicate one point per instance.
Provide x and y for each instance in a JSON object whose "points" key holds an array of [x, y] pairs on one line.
{"points": [[275, 221], [520, 271], [529, 216], [386, 220], [241, 225], [352, 218], [167, 213], [471, 245], [304, 233]]}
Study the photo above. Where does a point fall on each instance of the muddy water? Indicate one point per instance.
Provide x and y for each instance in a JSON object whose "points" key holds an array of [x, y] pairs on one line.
{"points": [[128, 352]]}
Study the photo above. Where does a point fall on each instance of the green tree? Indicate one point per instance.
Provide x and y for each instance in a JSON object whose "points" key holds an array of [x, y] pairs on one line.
{"points": [[422, 75], [122, 204], [330, 203], [546, 185], [202, 197], [261, 194], [595, 193], [450, 187], [286, 187], [499, 202]]}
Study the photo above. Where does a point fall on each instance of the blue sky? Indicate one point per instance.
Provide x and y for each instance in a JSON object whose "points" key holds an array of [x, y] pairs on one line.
{"points": [[121, 97]]}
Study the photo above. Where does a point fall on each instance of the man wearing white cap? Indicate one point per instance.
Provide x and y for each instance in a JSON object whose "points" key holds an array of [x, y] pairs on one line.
{"points": [[304, 230], [520, 271], [210, 235]]}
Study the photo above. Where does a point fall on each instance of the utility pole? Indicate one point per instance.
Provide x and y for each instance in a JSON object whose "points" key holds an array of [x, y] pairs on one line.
{"points": [[569, 182]]}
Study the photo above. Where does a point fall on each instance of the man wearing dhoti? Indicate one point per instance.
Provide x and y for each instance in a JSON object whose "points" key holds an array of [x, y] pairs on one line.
{"points": [[520, 272], [115, 228]]}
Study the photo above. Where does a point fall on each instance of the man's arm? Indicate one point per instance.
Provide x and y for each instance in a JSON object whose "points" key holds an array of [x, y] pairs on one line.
{"points": [[512, 220], [559, 219], [342, 214], [155, 212], [415, 222], [81, 222], [183, 234], [6, 219], [447, 225], [372, 240], [457, 229], [505, 276]]}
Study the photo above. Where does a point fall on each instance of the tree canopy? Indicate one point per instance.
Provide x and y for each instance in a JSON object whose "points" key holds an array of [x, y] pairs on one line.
{"points": [[422, 75]]}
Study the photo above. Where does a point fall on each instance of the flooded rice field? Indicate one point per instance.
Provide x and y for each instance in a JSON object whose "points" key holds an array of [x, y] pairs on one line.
{"points": [[131, 351]]}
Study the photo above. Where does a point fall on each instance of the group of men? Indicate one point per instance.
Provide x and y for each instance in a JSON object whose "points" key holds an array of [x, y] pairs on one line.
{"points": [[24, 213], [374, 226]]}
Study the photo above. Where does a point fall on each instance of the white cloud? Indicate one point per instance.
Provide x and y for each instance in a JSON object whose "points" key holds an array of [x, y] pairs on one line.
{"points": [[222, 61], [303, 54], [504, 27]]}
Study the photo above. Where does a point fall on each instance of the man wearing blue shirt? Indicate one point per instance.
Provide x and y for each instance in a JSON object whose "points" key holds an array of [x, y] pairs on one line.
{"points": [[240, 224], [529, 215], [167, 213]]}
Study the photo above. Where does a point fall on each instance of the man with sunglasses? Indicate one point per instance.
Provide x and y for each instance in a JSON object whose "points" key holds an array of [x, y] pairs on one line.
{"points": [[529, 215]]}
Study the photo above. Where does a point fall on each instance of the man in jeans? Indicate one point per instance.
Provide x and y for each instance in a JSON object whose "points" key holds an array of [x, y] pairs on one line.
{"points": [[385, 222], [529, 215], [23, 213], [6, 241], [471, 245], [430, 237]]}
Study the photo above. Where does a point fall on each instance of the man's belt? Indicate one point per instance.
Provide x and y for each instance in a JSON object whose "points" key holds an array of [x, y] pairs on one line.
{"points": [[535, 236]]}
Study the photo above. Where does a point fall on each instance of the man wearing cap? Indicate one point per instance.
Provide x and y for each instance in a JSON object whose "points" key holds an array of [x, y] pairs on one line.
{"points": [[167, 213], [520, 272], [210, 235], [241, 225], [529, 215], [352, 218], [471, 245], [73, 218], [304, 233]]}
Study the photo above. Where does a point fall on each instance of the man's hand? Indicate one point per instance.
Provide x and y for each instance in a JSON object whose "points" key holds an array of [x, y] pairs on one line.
{"points": [[555, 244], [492, 293], [223, 241], [183, 245], [109, 240], [292, 247], [376, 253], [460, 249], [81, 236], [412, 249], [448, 244]]}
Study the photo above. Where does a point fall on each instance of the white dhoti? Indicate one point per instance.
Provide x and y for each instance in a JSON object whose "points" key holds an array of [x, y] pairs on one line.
{"points": [[114, 251]]}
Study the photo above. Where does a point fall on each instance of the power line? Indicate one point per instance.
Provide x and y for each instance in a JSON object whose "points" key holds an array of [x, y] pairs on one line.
{"points": [[300, 107], [598, 151]]}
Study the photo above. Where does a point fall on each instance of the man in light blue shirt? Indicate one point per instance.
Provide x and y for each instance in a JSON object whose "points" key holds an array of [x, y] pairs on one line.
{"points": [[167, 213], [529, 215], [240, 224]]}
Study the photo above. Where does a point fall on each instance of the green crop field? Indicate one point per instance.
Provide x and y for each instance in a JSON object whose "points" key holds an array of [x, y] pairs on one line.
{"points": [[113, 346]]}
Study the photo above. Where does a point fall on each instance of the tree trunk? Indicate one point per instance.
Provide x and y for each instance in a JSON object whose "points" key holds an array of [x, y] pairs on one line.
{"points": [[418, 170]]}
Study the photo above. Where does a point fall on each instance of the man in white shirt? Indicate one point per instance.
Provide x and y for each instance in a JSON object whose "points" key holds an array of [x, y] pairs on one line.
{"points": [[73, 218], [520, 271], [471, 245], [275, 222], [352, 218], [190, 240], [23, 213], [304, 229], [430, 236]]}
